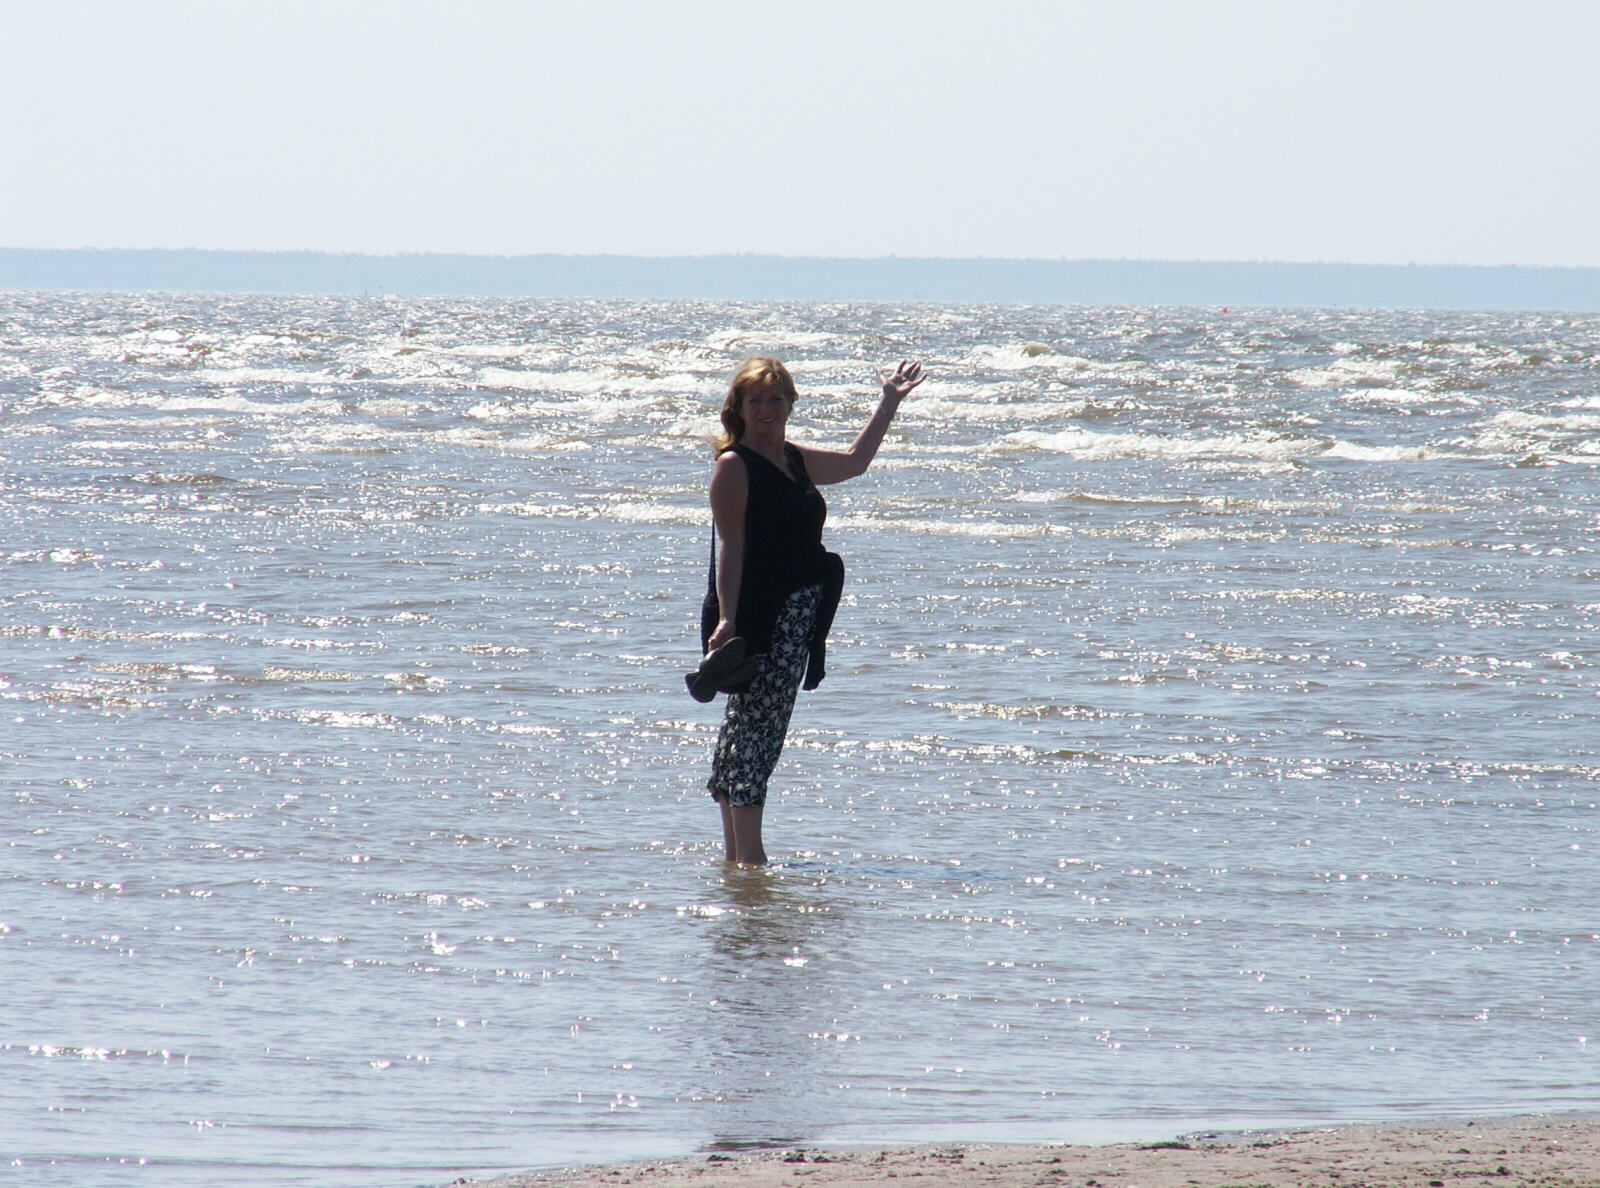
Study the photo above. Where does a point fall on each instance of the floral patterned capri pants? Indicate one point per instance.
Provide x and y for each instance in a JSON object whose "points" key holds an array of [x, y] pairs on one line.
{"points": [[752, 734]]}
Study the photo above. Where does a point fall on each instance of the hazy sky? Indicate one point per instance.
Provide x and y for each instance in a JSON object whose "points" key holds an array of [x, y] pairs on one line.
{"points": [[1370, 132]]}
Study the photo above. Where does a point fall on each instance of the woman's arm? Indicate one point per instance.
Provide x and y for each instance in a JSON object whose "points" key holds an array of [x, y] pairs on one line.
{"points": [[834, 466], [730, 488]]}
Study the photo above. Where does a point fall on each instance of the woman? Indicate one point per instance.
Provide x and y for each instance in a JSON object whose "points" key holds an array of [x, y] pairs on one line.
{"points": [[775, 586]]}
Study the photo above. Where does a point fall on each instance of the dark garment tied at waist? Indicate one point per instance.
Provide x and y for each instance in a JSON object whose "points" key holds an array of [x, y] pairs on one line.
{"points": [[762, 619]]}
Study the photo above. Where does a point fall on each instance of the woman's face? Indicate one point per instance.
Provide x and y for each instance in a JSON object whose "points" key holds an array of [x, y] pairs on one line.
{"points": [[766, 412]]}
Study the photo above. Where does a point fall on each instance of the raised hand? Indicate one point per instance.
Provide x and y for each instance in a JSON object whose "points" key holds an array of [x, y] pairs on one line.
{"points": [[907, 376]]}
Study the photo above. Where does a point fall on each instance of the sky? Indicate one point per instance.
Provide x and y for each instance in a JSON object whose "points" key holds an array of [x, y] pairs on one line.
{"points": [[1394, 132]]}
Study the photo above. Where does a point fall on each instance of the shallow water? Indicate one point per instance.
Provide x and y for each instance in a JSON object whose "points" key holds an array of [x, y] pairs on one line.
{"points": [[1209, 736]]}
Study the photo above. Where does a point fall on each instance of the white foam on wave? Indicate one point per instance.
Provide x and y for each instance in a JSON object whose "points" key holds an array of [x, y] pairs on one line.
{"points": [[1535, 439], [1348, 373], [1392, 396], [605, 383], [485, 439], [337, 437], [258, 376], [277, 673], [490, 410], [145, 444], [1028, 356], [536, 443], [987, 404], [492, 416], [821, 380], [528, 510], [697, 427], [500, 379], [613, 405], [60, 556], [987, 529], [392, 407], [505, 352], [1259, 447], [1071, 372], [768, 341], [1353, 452], [340, 719], [87, 396], [1040, 497], [629, 512], [248, 407], [1536, 423], [682, 356]]}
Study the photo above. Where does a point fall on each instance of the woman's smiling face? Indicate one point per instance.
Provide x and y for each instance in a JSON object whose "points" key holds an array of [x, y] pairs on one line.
{"points": [[766, 412]]}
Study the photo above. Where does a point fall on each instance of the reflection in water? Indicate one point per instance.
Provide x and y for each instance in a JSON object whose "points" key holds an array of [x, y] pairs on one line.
{"points": [[770, 961]]}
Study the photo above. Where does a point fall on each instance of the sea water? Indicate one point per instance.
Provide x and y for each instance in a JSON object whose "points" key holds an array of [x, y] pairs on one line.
{"points": [[1209, 736]]}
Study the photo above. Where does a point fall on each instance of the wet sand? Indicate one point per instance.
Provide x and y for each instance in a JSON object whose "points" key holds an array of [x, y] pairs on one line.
{"points": [[1559, 1151]]}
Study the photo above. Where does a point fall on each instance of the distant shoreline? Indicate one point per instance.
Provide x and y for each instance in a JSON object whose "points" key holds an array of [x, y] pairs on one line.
{"points": [[791, 278]]}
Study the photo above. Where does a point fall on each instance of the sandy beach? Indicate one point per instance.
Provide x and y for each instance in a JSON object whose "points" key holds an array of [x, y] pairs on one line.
{"points": [[1551, 1152]]}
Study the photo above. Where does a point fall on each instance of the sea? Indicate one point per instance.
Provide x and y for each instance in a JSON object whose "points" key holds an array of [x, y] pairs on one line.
{"points": [[1211, 735]]}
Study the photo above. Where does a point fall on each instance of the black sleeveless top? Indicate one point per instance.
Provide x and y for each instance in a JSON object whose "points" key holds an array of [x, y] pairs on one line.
{"points": [[783, 553], [782, 540]]}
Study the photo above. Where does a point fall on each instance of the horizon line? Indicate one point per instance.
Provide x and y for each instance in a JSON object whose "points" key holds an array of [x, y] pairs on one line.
{"points": [[353, 253]]}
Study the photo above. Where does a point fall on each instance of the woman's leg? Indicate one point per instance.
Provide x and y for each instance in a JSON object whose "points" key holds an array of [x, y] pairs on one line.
{"points": [[746, 826], [741, 833], [730, 844], [754, 728]]}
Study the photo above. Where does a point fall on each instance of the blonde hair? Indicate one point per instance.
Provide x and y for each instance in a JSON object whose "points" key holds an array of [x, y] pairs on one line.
{"points": [[757, 373]]}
